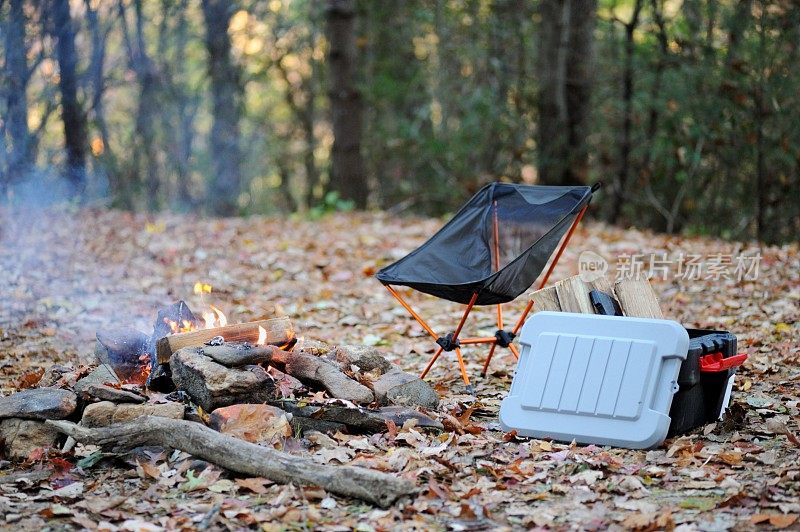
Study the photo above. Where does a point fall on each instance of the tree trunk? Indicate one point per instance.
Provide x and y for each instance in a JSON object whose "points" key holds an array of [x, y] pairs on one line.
{"points": [[565, 64], [97, 73], [148, 109], [71, 110], [347, 171], [579, 80], [226, 109], [20, 159], [623, 174], [187, 109]]}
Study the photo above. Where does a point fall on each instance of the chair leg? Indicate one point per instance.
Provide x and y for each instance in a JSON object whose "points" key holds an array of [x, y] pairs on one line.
{"points": [[413, 313], [461, 366], [435, 337], [430, 364], [488, 359], [514, 350]]}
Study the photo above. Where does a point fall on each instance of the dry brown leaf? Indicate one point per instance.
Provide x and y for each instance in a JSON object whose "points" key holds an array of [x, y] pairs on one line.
{"points": [[257, 485], [148, 469], [776, 520], [731, 457]]}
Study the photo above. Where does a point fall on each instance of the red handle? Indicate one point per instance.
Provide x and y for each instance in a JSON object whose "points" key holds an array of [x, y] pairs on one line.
{"points": [[715, 362]]}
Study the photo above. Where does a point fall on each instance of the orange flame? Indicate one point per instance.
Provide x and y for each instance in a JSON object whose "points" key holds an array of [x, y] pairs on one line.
{"points": [[214, 318], [175, 327]]}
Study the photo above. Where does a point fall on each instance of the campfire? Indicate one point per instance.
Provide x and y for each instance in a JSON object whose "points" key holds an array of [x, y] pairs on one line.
{"points": [[202, 385], [135, 357]]}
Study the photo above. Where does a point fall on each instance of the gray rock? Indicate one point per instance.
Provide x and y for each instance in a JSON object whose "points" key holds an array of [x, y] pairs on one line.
{"points": [[39, 403], [311, 347], [20, 437], [400, 388], [235, 355], [322, 372], [212, 385], [107, 393], [99, 376], [105, 413], [366, 358]]}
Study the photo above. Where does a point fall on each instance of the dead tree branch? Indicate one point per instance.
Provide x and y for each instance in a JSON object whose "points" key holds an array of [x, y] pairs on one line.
{"points": [[242, 457]]}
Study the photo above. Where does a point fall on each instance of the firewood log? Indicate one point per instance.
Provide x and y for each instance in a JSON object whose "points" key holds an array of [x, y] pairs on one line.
{"points": [[242, 457], [279, 332], [573, 295], [545, 299], [638, 299]]}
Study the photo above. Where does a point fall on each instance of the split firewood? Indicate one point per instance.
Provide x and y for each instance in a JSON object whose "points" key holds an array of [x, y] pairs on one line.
{"points": [[545, 299], [243, 457], [603, 284], [637, 298], [573, 295], [279, 331]]}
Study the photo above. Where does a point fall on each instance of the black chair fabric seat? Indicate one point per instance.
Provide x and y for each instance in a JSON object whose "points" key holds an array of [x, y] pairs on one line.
{"points": [[459, 260]]}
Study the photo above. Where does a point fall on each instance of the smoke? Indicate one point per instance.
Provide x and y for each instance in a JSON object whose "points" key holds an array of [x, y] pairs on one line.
{"points": [[58, 277]]}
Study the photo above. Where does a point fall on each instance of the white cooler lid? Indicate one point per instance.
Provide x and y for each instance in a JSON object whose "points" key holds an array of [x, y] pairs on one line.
{"points": [[607, 380]]}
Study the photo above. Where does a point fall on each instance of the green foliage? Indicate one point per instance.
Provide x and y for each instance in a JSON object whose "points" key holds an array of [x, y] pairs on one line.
{"points": [[450, 97], [331, 203]]}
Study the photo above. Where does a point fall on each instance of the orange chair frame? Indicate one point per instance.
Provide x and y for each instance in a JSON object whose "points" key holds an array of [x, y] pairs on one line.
{"points": [[487, 339]]}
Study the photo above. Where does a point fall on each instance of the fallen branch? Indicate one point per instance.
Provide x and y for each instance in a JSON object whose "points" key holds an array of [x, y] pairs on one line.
{"points": [[279, 332], [242, 457]]}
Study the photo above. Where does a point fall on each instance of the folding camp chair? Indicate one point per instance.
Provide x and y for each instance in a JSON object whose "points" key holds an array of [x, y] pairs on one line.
{"points": [[489, 253]]}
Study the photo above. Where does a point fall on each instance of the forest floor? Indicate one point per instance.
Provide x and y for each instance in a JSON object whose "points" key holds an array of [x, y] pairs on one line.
{"points": [[66, 274]]}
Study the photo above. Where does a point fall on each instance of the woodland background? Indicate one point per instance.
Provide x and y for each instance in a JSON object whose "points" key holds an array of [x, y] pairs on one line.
{"points": [[687, 111]]}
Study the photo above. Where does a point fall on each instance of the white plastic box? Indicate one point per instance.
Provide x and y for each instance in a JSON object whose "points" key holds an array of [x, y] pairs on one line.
{"points": [[607, 380]]}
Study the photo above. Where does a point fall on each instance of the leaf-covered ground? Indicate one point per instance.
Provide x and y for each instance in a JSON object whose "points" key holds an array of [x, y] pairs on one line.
{"points": [[66, 274]]}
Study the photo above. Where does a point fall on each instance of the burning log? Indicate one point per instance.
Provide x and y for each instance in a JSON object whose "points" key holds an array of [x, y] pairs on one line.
{"points": [[243, 457], [277, 331]]}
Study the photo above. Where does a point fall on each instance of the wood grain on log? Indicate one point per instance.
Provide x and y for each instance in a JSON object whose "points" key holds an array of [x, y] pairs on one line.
{"points": [[603, 284], [243, 457], [573, 296], [279, 332], [637, 298], [545, 299]]}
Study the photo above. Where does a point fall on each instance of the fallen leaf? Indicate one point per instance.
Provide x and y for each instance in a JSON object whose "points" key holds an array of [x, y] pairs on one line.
{"points": [[699, 503], [731, 457], [776, 520], [257, 485]]}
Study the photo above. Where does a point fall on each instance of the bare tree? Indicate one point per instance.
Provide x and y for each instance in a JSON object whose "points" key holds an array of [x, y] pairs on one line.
{"points": [[226, 108], [623, 174], [347, 172], [565, 64], [20, 158], [71, 110]]}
